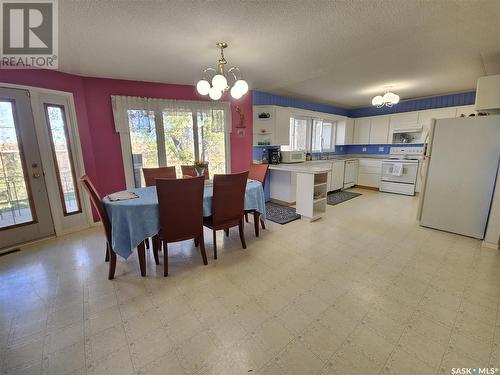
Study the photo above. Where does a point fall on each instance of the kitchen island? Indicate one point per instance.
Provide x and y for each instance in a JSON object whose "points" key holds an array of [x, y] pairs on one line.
{"points": [[303, 183]]}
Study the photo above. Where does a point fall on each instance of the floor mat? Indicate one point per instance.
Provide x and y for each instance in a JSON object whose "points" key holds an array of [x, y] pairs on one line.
{"points": [[280, 214], [340, 196]]}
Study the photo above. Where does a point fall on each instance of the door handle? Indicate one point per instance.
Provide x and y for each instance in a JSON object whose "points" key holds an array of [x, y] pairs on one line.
{"points": [[36, 175]]}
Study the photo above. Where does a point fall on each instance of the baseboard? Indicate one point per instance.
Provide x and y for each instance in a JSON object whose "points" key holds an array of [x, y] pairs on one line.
{"points": [[281, 203], [366, 187], [490, 245]]}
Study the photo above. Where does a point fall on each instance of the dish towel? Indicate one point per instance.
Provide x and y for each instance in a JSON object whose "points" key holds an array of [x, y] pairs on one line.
{"points": [[397, 169]]}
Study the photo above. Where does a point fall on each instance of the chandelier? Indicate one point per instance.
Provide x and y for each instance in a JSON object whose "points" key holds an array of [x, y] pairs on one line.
{"points": [[222, 80], [389, 99]]}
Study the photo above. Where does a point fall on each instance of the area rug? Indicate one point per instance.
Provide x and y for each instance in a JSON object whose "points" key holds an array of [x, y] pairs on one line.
{"points": [[280, 214], [340, 196]]}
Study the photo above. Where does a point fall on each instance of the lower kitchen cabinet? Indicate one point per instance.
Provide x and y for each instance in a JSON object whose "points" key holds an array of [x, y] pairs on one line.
{"points": [[369, 172], [337, 176]]}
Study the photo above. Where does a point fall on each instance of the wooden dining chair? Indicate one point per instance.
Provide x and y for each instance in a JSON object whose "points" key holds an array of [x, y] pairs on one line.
{"points": [[257, 172], [228, 204], [151, 174], [189, 170], [110, 257], [181, 213]]}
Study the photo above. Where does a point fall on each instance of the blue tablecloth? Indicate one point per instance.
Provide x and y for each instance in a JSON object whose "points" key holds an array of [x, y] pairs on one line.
{"points": [[133, 220]]}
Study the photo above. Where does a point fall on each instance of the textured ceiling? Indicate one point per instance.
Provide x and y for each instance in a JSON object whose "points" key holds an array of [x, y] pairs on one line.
{"points": [[335, 52]]}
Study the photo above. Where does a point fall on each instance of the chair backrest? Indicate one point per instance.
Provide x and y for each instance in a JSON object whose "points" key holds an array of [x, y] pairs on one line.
{"points": [[258, 172], [189, 170], [229, 198], [96, 200], [181, 207], [151, 174]]}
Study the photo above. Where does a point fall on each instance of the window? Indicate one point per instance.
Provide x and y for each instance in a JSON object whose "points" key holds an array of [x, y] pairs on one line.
{"points": [[63, 160], [143, 142], [158, 132], [299, 134], [311, 135]]}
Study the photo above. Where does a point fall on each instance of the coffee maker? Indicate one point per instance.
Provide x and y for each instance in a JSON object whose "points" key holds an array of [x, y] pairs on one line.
{"points": [[274, 156]]}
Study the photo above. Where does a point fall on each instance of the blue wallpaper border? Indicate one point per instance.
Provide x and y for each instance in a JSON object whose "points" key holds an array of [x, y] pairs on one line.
{"points": [[441, 101]]}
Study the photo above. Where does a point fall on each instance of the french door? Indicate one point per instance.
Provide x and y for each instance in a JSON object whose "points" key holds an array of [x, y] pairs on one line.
{"points": [[25, 212]]}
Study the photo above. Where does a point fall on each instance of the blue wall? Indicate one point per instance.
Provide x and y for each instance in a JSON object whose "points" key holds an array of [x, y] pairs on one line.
{"points": [[264, 98], [466, 98]]}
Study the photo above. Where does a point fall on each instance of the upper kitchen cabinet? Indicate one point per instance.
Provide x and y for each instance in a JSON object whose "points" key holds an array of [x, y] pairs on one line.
{"points": [[404, 120], [379, 130], [345, 132], [425, 118], [272, 124], [362, 130]]}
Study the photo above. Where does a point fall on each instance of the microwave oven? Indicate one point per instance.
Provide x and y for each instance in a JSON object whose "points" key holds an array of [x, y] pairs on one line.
{"points": [[293, 156]]}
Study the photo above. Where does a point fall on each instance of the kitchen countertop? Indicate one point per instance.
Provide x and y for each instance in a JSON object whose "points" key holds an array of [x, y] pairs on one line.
{"points": [[306, 167]]}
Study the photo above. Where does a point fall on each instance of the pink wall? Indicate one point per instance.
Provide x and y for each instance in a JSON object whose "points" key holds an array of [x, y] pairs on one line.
{"points": [[100, 143]]}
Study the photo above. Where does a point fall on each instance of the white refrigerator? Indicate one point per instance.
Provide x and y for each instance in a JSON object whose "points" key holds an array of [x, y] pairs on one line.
{"points": [[460, 168]]}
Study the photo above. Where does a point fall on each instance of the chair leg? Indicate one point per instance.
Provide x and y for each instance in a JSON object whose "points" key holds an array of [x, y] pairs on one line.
{"points": [[201, 241], [112, 264], [246, 217], [106, 257], [147, 243], [263, 224], [156, 246], [165, 259], [227, 232], [242, 234], [141, 253], [215, 243], [196, 241], [256, 222]]}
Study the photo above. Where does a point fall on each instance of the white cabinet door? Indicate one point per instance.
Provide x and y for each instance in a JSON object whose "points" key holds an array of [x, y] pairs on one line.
{"points": [[282, 126], [369, 172], [425, 118], [379, 130], [362, 131], [345, 130], [404, 120], [337, 176]]}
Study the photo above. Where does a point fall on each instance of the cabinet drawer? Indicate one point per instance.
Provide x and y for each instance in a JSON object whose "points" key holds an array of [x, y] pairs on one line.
{"points": [[367, 162], [370, 169]]}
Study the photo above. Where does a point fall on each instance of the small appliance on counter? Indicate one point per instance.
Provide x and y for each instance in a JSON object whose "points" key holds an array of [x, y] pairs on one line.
{"points": [[274, 156], [293, 156]]}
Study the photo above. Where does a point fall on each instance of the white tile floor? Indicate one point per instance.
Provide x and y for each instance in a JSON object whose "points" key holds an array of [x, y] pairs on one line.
{"points": [[363, 291]]}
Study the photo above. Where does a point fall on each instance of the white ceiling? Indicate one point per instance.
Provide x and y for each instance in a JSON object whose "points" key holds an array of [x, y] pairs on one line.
{"points": [[335, 52]]}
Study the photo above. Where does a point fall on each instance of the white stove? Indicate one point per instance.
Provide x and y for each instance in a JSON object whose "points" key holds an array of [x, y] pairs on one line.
{"points": [[399, 172]]}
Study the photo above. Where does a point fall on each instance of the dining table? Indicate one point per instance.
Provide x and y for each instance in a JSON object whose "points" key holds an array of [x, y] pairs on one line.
{"points": [[134, 220]]}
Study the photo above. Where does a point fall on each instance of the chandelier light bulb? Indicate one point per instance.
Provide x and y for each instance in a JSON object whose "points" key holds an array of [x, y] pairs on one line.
{"points": [[388, 99], [236, 92], [242, 86], [219, 81], [377, 100], [215, 93], [203, 87]]}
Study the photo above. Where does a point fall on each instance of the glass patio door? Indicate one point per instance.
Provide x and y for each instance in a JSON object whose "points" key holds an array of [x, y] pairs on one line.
{"points": [[24, 206]]}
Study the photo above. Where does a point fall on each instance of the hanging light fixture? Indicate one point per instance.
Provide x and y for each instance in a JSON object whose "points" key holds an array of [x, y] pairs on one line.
{"points": [[388, 99], [215, 82]]}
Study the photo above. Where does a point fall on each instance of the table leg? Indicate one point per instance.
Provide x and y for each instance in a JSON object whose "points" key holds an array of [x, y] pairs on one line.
{"points": [[141, 252], [256, 216]]}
